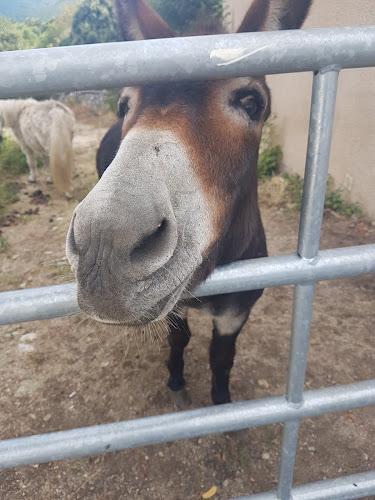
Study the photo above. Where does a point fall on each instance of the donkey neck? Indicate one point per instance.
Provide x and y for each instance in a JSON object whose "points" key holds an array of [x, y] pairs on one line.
{"points": [[11, 109]]}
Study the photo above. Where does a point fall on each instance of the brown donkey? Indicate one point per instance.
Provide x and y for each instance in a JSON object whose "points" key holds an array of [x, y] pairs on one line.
{"points": [[179, 198]]}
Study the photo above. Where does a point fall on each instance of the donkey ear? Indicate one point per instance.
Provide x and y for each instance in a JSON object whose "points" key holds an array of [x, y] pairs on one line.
{"points": [[273, 15], [137, 21]]}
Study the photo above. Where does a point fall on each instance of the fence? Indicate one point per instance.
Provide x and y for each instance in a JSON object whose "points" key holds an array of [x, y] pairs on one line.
{"points": [[325, 52]]}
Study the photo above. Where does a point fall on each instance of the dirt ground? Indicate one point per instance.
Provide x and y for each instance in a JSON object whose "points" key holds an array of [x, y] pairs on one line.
{"points": [[72, 372]]}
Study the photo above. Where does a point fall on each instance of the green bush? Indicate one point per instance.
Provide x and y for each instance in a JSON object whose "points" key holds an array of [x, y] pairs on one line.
{"points": [[93, 22], [112, 99], [334, 201], [12, 160], [295, 187], [333, 198], [269, 161], [270, 154], [8, 194], [4, 244]]}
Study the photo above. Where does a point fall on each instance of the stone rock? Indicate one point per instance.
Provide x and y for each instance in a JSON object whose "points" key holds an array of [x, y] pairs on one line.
{"points": [[28, 337], [263, 383], [25, 347], [26, 388]]}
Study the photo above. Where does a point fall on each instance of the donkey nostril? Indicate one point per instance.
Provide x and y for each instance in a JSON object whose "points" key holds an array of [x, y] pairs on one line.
{"points": [[156, 247]]}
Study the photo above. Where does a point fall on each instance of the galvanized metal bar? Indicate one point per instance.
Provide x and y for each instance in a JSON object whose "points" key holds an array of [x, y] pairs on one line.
{"points": [[98, 66], [299, 343], [318, 149], [323, 101], [180, 425], [60, 300], [341, 488], [287, 459]]}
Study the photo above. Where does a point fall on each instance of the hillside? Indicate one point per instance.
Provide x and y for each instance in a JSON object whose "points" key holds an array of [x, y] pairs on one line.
{"points": [[22, 9]]}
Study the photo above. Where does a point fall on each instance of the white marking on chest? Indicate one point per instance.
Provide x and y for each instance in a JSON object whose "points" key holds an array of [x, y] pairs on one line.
{"points": [[230, 322]]}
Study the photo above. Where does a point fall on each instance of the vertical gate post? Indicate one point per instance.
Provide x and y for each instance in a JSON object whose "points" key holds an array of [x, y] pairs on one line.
{"points": [[317, 159]]}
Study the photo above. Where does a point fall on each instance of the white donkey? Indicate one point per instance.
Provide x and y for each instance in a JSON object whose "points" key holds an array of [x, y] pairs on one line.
{"points": [[42, 128]]}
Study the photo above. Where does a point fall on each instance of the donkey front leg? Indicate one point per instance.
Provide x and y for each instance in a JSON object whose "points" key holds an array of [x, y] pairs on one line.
{"points": [[178, 338], [230, 314]]}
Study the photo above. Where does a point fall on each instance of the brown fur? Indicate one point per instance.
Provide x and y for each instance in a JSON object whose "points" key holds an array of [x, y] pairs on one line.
{"points": [[190, 163], [137, 21], [255, 17], [217, 152], [213, 149], [258, 17]]}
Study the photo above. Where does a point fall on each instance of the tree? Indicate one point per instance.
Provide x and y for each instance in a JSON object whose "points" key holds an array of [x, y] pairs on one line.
{"points": [[18, 36], [93, 22], [59, 28]]}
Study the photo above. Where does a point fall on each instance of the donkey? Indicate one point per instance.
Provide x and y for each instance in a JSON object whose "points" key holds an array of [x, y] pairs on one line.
{"points": [[42, 128], [111, 141], [179, 199]]}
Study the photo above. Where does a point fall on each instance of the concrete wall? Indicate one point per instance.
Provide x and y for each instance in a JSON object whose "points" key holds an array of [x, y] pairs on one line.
{"points": [[352, 163]]}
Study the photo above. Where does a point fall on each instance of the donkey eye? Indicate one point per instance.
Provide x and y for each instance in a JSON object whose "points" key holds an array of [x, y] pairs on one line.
{"points": [[252, 104]]}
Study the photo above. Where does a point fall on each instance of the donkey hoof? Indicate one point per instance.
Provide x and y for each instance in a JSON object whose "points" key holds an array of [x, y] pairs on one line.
{"points": [[49, 181], [180, 399], [32, 181]]}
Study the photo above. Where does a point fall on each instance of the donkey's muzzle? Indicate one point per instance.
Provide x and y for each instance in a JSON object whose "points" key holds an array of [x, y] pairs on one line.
{"points": [[113, 251]]}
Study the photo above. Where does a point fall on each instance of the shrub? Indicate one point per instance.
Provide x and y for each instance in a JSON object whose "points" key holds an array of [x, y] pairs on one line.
{"points": [[4, 244], [12, 160], [334, 201], [8, 194], [333, 198], [295, 187], [270, 154]]}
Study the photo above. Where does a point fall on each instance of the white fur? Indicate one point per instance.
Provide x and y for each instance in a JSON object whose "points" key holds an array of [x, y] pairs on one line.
{"points": [[230, 321], [152, 164], [42, 128]]}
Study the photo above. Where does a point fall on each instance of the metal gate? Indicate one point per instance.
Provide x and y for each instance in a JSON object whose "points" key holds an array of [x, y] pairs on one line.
{"points": [[323, 51]]}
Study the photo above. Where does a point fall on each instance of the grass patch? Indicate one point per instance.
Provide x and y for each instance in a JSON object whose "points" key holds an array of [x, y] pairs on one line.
{"points": [[112, 99], [295, 188], [270, 154], [12, 160], [269, 159], [8, 194], [333, 198], [334, 201], [11, 280], [4, 244], [62, 272]]}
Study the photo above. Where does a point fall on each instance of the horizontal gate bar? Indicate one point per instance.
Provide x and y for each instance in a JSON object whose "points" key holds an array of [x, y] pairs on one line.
{"points": [[341, 488], [180, 425], [60, 300], [111, 65]]}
